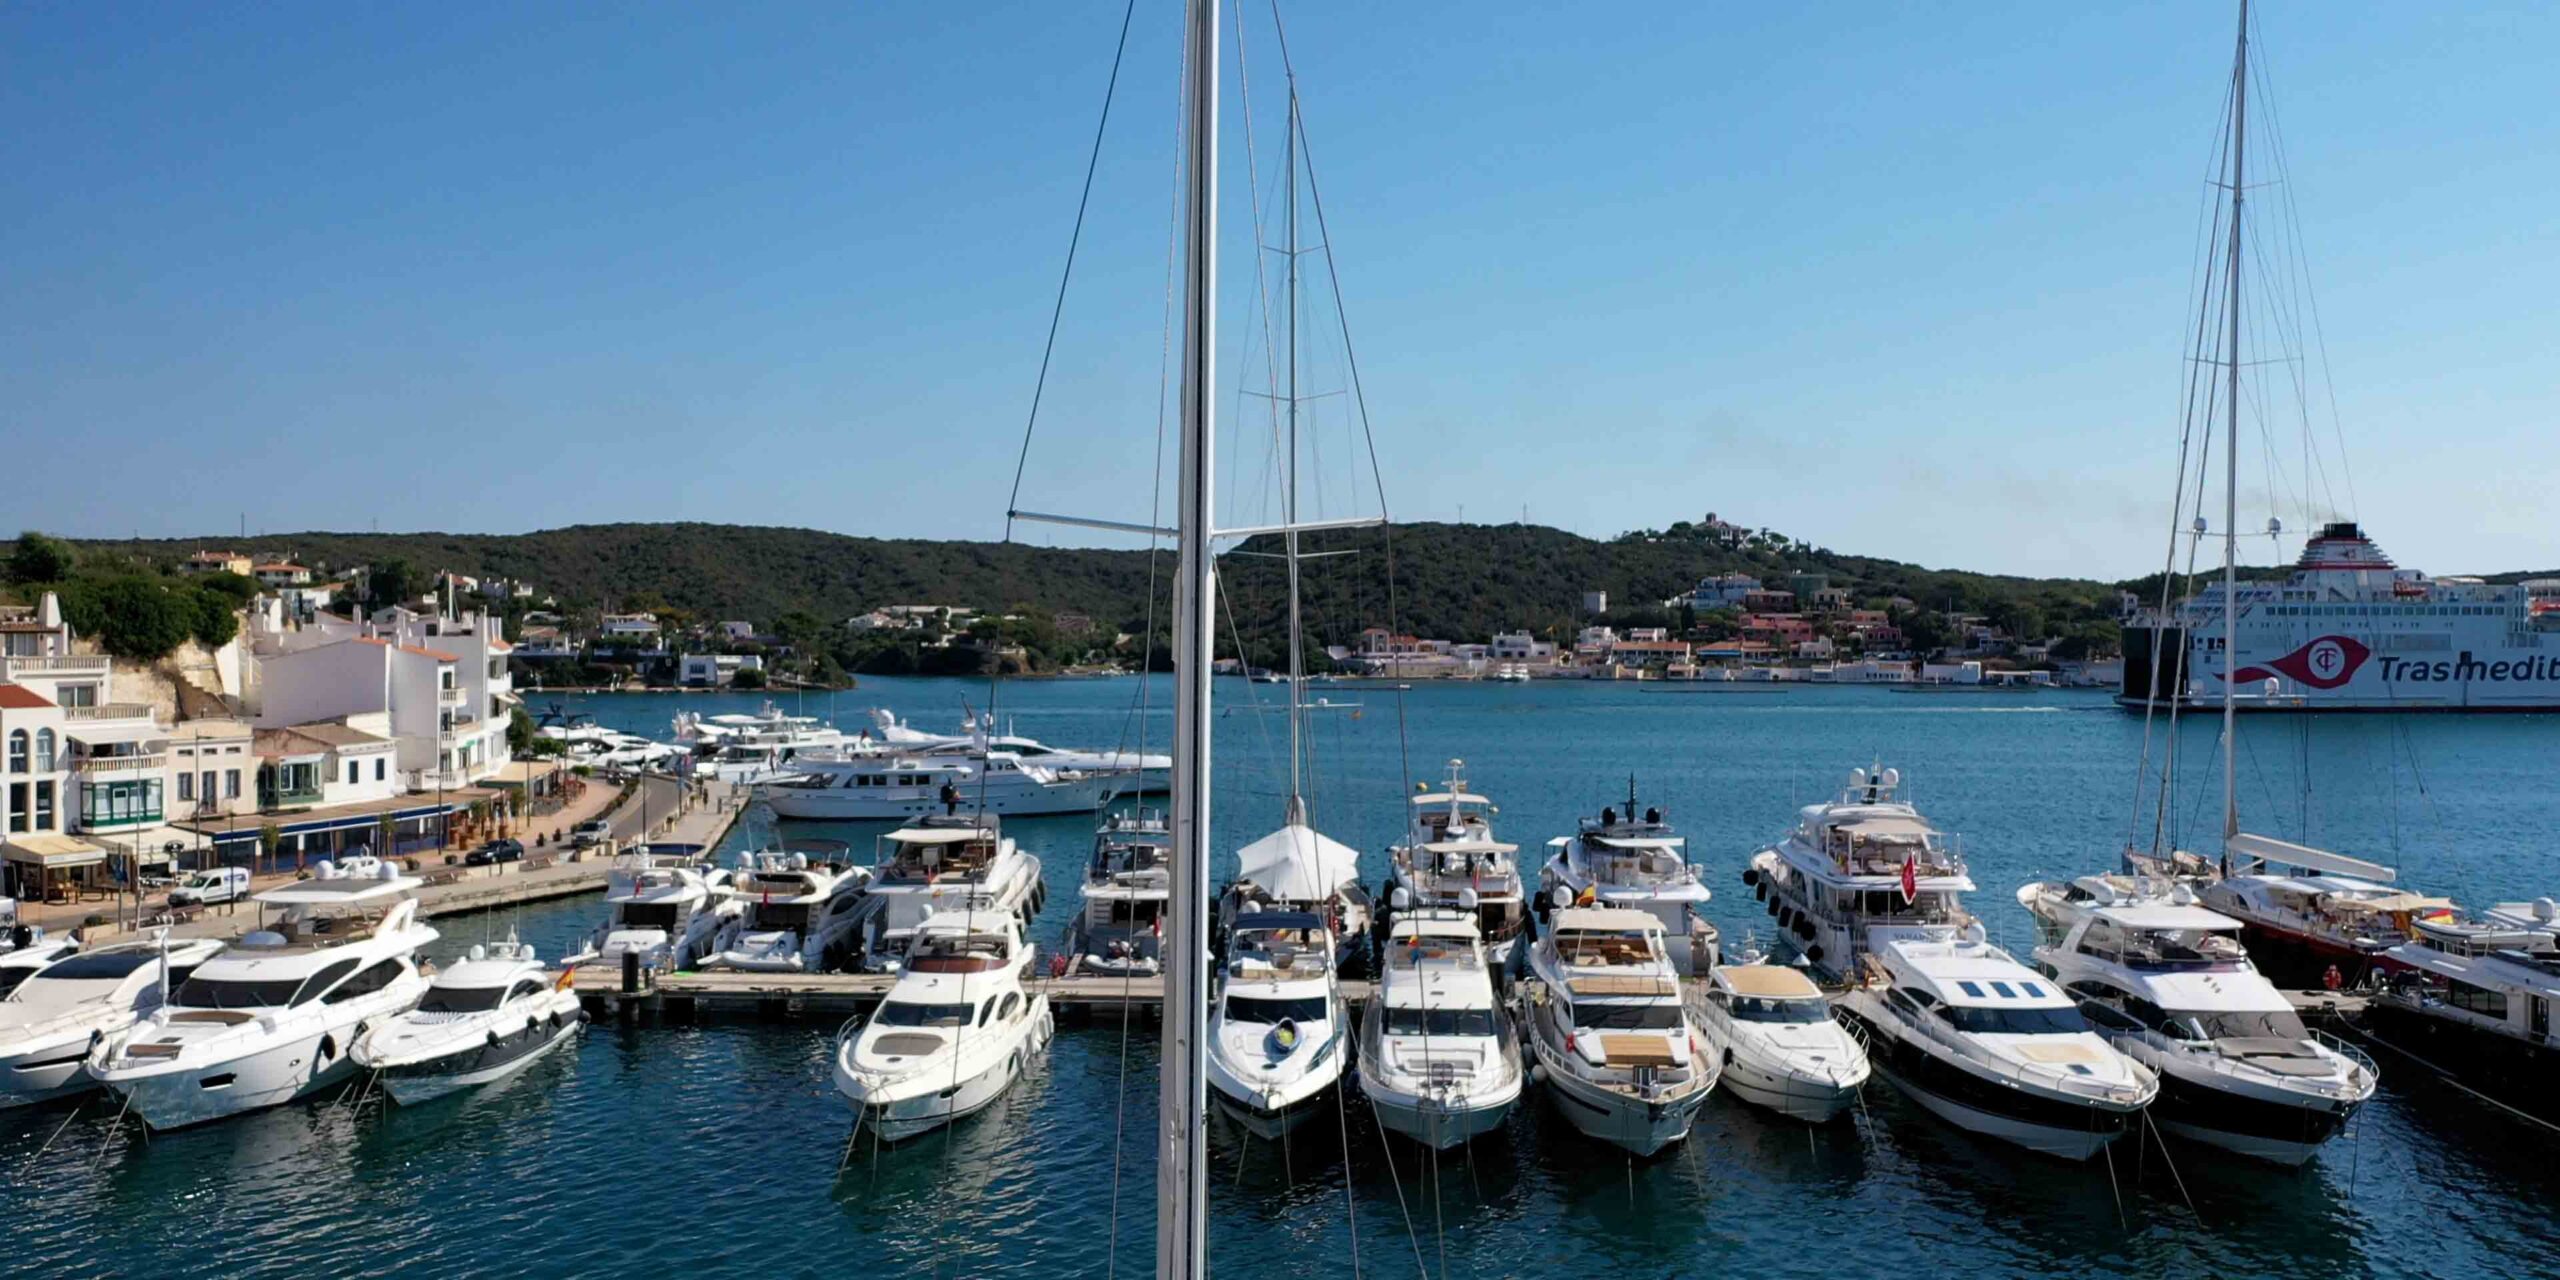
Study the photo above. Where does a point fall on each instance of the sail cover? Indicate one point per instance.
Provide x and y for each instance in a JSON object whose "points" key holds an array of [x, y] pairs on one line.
{"points": [[1294, 864]]}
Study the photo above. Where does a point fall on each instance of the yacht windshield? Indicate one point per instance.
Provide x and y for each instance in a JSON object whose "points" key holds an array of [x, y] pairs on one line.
{"points": [[1759, 1009], [1265, 1010], [2273, 1024], [1983, 1021], [1627, 1017], [461, 999], [201, 992], [907, 1013], [97, 967], [1439, 1022], [649, 915]]}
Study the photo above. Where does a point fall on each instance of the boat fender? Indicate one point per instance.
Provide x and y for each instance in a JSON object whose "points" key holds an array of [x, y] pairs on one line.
{"points": [[1760, 891], [1751, 875], [1804, 928], [1814, 953], [494, 1041], [328, 1048]]}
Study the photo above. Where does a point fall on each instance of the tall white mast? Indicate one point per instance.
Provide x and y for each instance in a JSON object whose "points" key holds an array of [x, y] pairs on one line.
{"points": [[1297, 808], [1182, 1186], [2231, 448]]}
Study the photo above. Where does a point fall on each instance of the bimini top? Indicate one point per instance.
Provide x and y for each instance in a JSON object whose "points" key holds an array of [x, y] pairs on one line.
{"points": [[1468, 846], [1264, 920], [1295, 864], [1450, 797], [347, 891], [1767, 981], [1606, 920], [940, 835]]}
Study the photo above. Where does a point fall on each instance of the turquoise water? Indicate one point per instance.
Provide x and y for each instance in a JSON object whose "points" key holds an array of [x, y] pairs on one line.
{"points": [[715, 1149]]}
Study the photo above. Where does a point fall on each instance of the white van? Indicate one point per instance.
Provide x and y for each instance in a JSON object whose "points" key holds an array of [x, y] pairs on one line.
{"points": [[209, 886]]}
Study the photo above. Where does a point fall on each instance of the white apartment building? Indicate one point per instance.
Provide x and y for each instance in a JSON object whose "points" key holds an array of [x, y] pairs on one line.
{"points": [[439, 686], [325, 764], [712, 670], [1520, 646]]}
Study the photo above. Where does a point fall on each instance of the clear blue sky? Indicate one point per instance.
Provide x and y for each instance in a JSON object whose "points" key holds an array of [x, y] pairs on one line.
{"points": [[1907, 280]]}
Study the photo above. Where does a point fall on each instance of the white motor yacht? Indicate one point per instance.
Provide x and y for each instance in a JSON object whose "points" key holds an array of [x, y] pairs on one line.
{"points": [[1278, 1030], [482, 1019], [583, 741], [670, 910], [751, 748], [940, 864], [1607, 1026], [1637, 863], [2305, 911], [1991, 1046], [1120, 927], [952, 1035], [2170, 986], [1449, 858], [1778, 1043], [1438, 1060], [273, 1018], [843, 786], [793, 911], [1134, 771], [18, 965], [1865, 860], [2471, 1004], [60, 1010]]}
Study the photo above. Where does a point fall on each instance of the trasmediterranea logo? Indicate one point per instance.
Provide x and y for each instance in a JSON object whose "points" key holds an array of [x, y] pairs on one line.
{"points": [[2324, 663]]}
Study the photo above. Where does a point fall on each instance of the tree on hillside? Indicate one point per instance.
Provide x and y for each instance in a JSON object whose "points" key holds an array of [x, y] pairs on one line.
{"points": [[38, 558], [237, 589], [390, 581], [212, 617], [130, 616], [1923, 630]]}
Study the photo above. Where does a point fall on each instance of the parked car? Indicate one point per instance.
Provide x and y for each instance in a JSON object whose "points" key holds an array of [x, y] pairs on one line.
{"points": [[593, 831], [211, 885], [495, 852]]}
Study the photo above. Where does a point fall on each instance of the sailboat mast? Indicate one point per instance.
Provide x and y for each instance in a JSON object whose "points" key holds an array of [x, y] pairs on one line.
{"points": [[1297, 811], [1182, 1187], [2231, 446]]}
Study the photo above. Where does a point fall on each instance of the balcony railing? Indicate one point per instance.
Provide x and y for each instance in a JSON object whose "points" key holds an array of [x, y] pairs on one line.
{"points": [[152, 763], [109, 711], [451, 697], [22, 664]]}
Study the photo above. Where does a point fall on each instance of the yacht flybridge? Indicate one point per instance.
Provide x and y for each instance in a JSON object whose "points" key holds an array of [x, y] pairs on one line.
{"points": [[1864, 860], [1637, 863], [1609, 1031], [54, 1015], [2471, 1003], [952, 1035], [793, 911], [2168, 984], [274, 1017], [1991, 1046], [483, 1018], [1278, 1034], [670, 910], [1438, 1060], [1119, 925], [1449, 859], [963, 864]]}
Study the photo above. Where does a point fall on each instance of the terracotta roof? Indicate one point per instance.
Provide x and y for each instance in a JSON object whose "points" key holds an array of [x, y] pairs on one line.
{"points": [[18, 697], [303, 739]]}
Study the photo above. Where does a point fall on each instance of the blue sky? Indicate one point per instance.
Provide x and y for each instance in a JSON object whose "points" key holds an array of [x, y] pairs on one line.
{"points": [[1906, 280]]}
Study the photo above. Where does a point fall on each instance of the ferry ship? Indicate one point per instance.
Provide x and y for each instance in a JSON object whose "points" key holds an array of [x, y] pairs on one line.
{"points": [[2350, 631]]}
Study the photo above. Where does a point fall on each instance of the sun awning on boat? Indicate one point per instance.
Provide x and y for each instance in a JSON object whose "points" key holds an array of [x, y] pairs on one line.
{"points": [[2391, 902], [1469, 846], [1639, 842], [1295, 864], [937, 835], [1444, 797]]}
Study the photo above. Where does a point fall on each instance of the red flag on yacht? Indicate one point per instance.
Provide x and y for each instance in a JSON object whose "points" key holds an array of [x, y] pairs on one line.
{"points": [[1910, 879]]}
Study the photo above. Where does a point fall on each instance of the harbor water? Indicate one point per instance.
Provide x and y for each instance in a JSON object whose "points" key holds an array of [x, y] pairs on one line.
{"points": [[716, 1149]]}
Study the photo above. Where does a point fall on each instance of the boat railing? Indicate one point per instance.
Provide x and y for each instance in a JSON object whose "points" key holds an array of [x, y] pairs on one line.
{"points": [[1649, 1083], [2204, 1053], [2055, 1078]]}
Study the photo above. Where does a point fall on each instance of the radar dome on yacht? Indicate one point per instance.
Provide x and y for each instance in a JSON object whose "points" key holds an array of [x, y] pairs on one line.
{"points": [[2545, 910], [1892, 778], [1403, 901], [477, 952], [799, 862], [1857, 777], [324, 869], [1469, 900], [2200, 524], [2274, 525], [387, 872]]}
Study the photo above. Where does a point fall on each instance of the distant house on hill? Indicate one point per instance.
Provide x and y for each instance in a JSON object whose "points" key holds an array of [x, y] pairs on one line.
{"points": [[217, 562]]}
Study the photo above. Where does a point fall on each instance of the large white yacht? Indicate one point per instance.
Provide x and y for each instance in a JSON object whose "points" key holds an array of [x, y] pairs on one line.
{"points": [[25, 962], [1278, 1030], [1865, 859], [2304, 911], [1449, 858], [670, 910], [483, 1018], [2169, 985], [1609, 1031], [1119, 925], [792, 910], [845, 786], [2471, 1003], [1133, 771], [273, 1017], [952, 1035], [1991, 1046], [585, 742], [750, 748], [959, 864], [1639, 863], [1438, 1060], [1779, 1045], [53, 1016]]}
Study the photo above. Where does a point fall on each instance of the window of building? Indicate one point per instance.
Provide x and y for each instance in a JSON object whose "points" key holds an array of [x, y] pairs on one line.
{"points": [[17, 751], [44, 806], [377, 768], [119, 802], [44, 750], [186, 786], [17, 806], [231, 785], [355, 773]]}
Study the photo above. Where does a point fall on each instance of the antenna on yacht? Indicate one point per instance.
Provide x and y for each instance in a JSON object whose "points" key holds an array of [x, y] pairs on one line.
{"points": [[2231, 450]]}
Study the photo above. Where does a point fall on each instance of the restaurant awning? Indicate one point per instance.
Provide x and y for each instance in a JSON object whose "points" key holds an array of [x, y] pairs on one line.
{"points": [[522, 773], [52, 852]]}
